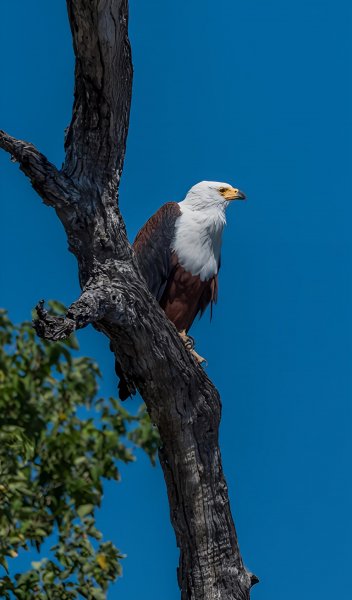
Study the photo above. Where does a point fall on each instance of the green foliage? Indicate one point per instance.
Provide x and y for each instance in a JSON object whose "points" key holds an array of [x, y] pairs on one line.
{"points": [[53, 461]]}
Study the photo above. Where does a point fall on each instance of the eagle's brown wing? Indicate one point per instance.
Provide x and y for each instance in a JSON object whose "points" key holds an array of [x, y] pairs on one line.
{"points": [[153, 248]]}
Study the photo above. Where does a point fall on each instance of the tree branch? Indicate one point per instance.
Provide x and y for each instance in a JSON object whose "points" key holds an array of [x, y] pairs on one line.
{"points": [[52, 327], [92, 306], [46, 179], [96, 140], [180, 398]]}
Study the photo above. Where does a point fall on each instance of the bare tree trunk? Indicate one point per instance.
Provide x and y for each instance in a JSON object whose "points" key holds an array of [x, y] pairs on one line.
{"points": [[181, 400]]}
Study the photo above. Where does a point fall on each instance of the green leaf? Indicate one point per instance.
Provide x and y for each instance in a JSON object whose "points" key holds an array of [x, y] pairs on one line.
{"points": [[98, 594], [84, 510], [57, 307]]}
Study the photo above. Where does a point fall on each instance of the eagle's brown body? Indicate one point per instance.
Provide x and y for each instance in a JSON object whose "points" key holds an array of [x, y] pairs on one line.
{"points": [[181, 294]]}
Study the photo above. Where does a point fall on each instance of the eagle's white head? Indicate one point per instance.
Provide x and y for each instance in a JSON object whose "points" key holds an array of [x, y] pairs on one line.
{"points": [[198, 230], [211, 194]]}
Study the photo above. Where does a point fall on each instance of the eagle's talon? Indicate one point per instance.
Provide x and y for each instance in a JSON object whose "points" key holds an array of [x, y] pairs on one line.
{"points": [[200, 360], [187, 339], [189, 342]]}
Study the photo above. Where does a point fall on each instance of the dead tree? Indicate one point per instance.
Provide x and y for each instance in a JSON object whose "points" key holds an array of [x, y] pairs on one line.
{"points": [[181, 400]]}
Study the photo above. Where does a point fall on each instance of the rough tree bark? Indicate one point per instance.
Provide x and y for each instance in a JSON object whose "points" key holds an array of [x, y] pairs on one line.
{"points": [[181, 400]]}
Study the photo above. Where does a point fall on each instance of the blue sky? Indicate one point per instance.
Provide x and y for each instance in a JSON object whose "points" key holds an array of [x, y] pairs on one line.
{"points": [[258, 94]]}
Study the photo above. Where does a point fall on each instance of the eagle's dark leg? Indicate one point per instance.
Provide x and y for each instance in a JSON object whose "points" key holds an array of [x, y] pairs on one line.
{"points": [[189, 344]]}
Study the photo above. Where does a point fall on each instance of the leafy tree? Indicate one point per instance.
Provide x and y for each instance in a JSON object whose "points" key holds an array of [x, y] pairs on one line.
{"points": [[58, 442]]}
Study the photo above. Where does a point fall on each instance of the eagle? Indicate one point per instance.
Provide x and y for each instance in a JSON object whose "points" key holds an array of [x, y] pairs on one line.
{"points": [[178, 251]]}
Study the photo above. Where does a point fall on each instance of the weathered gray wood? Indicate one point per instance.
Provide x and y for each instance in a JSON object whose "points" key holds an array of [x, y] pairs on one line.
{"points": [[180, 398]]}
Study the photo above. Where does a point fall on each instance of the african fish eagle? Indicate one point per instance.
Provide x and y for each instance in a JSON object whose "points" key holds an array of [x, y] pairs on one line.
{"points": [[178, 252]]}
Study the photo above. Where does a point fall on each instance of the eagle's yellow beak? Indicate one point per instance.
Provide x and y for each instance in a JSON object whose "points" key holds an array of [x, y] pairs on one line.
{"points": [[233, 194]]}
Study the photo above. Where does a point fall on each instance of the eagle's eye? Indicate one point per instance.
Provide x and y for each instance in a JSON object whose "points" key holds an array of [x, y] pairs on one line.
{"points": [[222, 190]]}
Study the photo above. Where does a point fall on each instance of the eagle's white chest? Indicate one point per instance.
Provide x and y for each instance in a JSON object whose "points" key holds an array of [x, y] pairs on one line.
{"points": [[197, 240]]}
